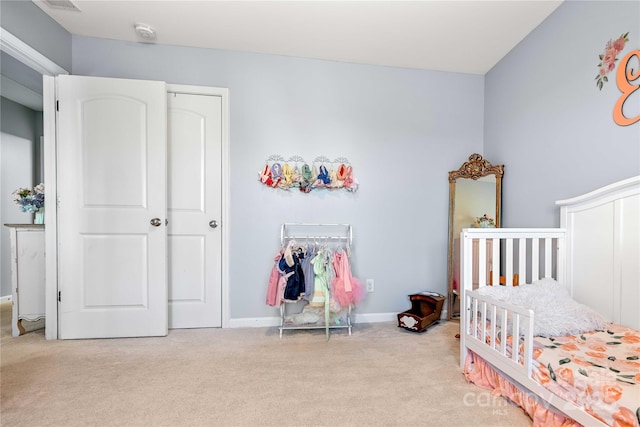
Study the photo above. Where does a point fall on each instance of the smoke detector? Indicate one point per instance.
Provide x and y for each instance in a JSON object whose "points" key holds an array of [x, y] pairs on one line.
{"points": [[145, 32]]}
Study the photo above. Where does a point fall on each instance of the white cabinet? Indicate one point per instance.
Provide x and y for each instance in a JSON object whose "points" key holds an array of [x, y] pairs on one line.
{"points": [[27, 274]]}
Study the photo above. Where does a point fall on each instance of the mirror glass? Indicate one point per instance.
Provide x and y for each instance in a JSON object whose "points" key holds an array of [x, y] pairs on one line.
{"points": [[474, 201]]}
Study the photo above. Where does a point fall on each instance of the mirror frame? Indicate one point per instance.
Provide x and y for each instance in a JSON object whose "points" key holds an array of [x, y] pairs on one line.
{"points": [[475, 168]]}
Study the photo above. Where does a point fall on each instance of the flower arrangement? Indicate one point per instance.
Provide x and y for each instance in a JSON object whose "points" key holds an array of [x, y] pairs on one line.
{"points": [[30, 200], [609, 57], [485, 221]]}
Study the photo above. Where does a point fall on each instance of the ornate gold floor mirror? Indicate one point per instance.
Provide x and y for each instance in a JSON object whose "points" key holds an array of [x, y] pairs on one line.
{"points": [[474, 201]]}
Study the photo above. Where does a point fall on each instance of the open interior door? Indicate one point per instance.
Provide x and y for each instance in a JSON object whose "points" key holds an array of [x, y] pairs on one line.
{"points": [[112, 204]]}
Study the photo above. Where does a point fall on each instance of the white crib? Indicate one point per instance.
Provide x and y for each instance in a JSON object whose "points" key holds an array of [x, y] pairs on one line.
{"points": [[596, 254]]}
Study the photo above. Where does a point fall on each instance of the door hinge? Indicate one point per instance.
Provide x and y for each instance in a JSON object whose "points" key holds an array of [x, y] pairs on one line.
{"points": [[57, 105], [59, 296]]}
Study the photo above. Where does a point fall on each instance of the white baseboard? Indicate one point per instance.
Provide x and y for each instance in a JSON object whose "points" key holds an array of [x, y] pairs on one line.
{"points": [[266, 322], [254, 322], [375, 317]]}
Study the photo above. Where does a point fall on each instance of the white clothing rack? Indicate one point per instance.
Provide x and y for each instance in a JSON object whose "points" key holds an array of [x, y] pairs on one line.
{"points": [[316, 233], [329, 234]]}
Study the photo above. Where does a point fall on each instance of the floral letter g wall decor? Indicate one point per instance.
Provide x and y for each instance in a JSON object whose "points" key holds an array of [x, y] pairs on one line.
{"points": [[625, 77]]}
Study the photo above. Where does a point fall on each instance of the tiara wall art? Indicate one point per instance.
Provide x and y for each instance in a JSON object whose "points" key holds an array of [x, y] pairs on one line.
{"points": [[295, 173]]}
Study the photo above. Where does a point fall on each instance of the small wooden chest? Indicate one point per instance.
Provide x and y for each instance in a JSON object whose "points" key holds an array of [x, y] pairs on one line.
{"points": [[426, 308]]}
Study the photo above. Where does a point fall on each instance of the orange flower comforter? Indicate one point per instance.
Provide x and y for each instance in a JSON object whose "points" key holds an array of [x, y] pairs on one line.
{"points": [[599, 371]]}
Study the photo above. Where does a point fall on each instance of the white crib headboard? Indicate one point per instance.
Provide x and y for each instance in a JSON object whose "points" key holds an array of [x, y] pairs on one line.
{"points": [[603, 250]]}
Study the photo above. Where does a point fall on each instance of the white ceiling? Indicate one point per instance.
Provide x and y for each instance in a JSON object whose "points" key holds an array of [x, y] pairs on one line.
{"points": [[445, 35]]}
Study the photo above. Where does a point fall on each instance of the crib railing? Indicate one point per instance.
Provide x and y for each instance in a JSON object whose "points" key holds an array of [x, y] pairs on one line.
{"points": [[526, 254], [499, 331], [522, 253]]}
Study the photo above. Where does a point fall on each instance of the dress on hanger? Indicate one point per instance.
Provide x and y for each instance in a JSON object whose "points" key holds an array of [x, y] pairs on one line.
{"points": [[292, 269], [274, 278], [346, 289]]}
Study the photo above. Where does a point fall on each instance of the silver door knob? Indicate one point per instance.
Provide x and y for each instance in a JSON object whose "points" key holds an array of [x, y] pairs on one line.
{"points": [[213, 223], [155, 222]]}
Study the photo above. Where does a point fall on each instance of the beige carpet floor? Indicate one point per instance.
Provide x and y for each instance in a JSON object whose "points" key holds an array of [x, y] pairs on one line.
{"points": [[382, 375]]}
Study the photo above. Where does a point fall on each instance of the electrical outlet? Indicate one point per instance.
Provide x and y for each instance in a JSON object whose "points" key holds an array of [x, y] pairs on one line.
{"points": [[370, 286]]}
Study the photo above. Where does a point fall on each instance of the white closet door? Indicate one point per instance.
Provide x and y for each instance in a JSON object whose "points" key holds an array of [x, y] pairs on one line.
{"points": [[195, 209], [112, 246]]}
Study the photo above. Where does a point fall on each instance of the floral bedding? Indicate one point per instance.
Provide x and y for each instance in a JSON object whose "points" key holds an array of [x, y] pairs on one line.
{"points": [[599, 371]]}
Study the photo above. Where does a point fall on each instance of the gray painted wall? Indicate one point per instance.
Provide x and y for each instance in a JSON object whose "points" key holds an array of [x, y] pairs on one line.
{"points": [[546, 120], [402, 130], [29, 23], [19, 120]]}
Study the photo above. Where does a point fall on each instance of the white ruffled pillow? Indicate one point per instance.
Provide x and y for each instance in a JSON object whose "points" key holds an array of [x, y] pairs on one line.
{"points": [[556, 313]]}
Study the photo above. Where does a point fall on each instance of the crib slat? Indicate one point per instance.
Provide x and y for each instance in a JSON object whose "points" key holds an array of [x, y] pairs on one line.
{"points": [[528, 347], [483, 319], [509, 260], [547, 257], [515, 333], [522, 260], [535, 259], [503, 335], [560, 272], [482, 262], [466, 258], [474, 331], [495, 261], [493, 326]]}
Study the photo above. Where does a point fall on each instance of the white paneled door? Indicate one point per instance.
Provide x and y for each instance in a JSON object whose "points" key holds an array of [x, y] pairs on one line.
{"points": [[139, 208], [112, 207], [195, 209]]}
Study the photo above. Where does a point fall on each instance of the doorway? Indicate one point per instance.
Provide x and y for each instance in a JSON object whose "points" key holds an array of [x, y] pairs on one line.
{"points": [[138, 204], [31, 59], [16, 164]]}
